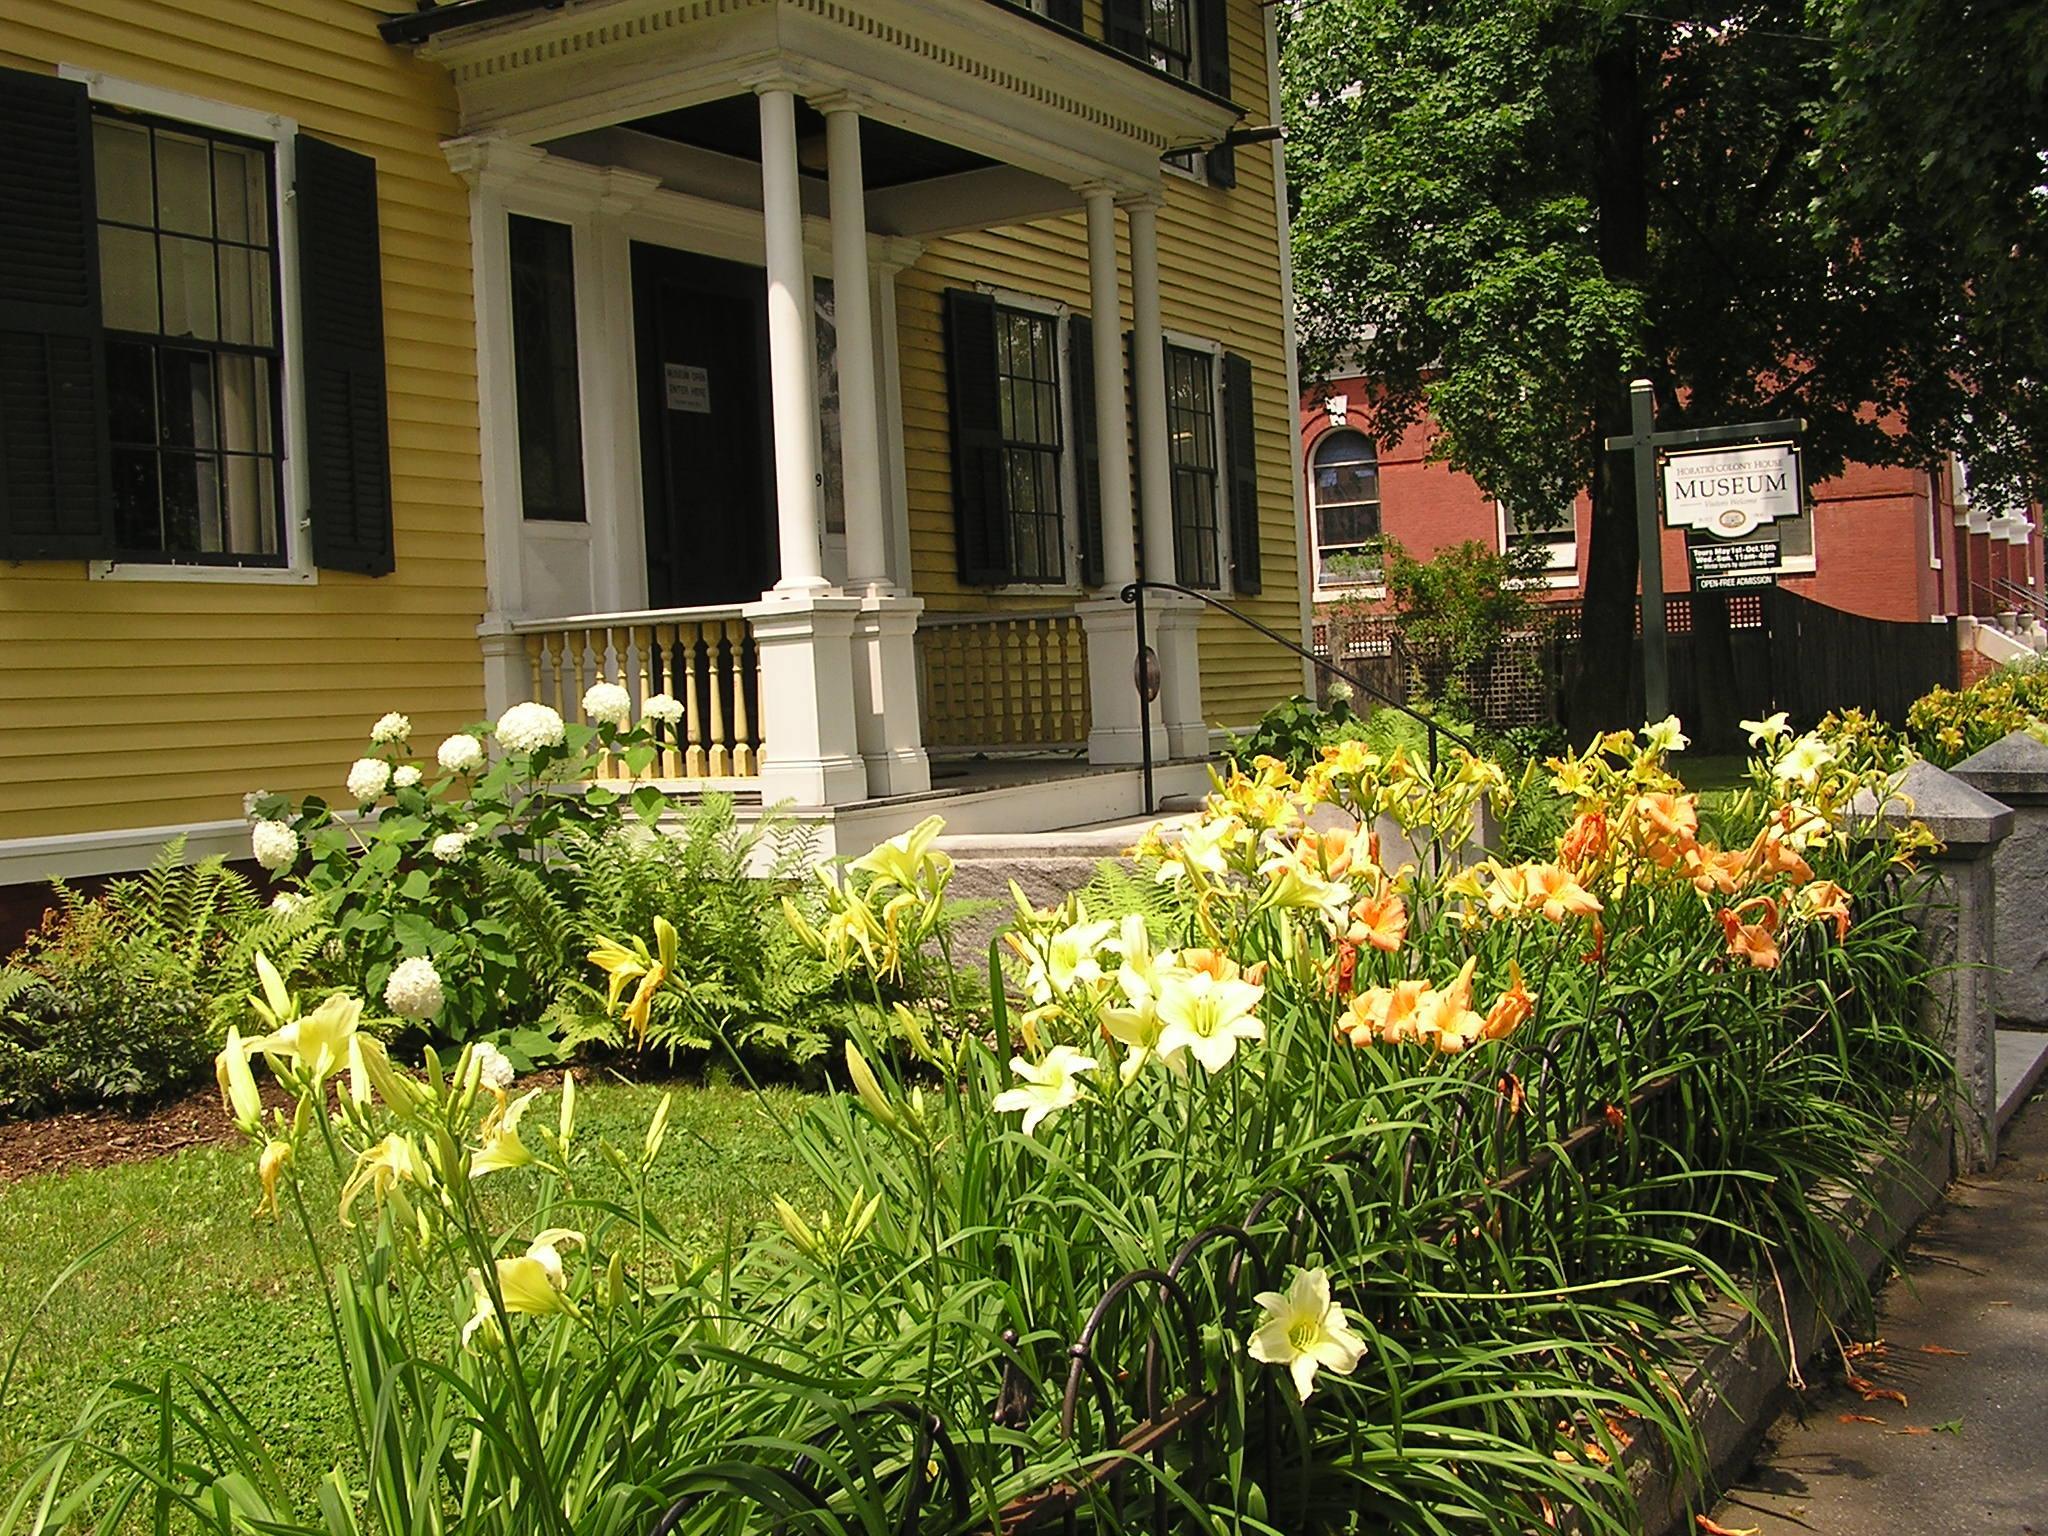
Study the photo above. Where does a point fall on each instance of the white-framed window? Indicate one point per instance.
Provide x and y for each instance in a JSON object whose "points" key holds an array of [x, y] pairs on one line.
{"points": [[198, 280], [1344, 509], [1194, 458], [1557, 541]]}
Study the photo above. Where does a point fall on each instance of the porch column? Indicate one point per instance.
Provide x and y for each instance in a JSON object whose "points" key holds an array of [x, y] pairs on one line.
{"points": [[860, 431], [1148, 364], [887, 720], [1175, 620], [1115, 735], [792, 384]]}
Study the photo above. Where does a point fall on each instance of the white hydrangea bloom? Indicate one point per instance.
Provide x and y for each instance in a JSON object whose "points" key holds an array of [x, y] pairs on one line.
{"points": [[414, 990], [390, 729], [450, 845], [460, 754], [493, 1068], [368, 778], [529, 727], [662, 707], [275, 844], [288, 903], [406, 777], [607, 704]]}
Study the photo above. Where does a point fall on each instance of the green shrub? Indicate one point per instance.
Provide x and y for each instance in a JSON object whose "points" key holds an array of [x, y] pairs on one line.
{"points": [[123, 997]]}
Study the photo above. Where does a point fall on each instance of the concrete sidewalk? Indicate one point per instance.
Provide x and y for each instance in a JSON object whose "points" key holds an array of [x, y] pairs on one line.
{"points": [[1970, 1451]]}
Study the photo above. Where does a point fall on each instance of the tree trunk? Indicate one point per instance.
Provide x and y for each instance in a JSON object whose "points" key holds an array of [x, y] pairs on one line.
{"points": [[1621, 186]]}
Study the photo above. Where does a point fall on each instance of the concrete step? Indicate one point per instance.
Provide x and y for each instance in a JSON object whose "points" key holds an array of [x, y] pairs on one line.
{"points": [[2022, 1057]]}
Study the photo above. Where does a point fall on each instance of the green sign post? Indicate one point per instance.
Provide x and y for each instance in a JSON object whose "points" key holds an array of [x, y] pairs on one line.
{"points": [[1646, 442]]}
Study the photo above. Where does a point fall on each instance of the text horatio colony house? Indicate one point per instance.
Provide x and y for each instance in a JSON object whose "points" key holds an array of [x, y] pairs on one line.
{"points": [[829, 365]]}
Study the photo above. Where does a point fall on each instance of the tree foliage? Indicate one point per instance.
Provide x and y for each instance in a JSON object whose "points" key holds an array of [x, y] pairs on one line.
{"points": [[1506, 209]]}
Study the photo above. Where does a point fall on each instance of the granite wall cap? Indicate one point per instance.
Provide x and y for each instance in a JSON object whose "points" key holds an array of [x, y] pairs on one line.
{"points": [[1960, 814], [2013, 768]]}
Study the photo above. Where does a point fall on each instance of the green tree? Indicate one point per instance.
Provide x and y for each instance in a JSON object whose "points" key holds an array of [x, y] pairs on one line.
{"points": [[1506, 209]]}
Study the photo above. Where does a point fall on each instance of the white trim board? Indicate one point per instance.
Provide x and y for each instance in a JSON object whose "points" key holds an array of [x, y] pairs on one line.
{"points": [[70, 856]]}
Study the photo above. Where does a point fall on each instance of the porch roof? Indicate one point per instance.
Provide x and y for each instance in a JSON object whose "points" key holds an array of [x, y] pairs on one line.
{"points": [[989, 77]]}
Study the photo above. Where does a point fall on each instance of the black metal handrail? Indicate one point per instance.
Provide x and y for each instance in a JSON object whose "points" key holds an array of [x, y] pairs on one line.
{"points": [[1146, 683]]}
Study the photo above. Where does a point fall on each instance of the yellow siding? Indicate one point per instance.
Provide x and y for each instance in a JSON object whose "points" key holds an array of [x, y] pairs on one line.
{"points": [[1220, 265], [152, 703]]}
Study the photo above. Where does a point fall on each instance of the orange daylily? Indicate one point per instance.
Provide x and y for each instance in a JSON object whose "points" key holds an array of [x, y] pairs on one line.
{"points": [[1508, 893], [1755, 942], [1511, 1009], [1380, 920], [1385, 1012], [1584, 842], [1445, 1018], [1823, 900], [1773, 854], [1714, 869], [1209, 962], [1674, 817], [1558, 894]]}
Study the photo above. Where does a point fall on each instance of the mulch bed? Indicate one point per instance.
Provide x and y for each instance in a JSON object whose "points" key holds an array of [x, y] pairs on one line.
{"points": [[100, 1138]]}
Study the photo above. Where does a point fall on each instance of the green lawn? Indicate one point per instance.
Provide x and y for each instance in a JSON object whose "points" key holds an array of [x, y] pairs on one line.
{"points": [[197, 1282]]}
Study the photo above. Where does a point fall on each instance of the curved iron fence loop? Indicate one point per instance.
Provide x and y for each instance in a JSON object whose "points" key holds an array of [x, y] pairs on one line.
{"points": [[929, 1434], [671, 1518], [1169, 1290], [1241, 1240], [1105, 1395]]}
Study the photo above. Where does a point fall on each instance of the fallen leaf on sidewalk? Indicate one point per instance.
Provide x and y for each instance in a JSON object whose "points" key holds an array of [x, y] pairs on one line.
{"points": [[1913, 1429], [1953, 1426], [1936, 1349], [1997, 1303], [1870, 1391], [1858, 1351], [1860, 1418], [1721, 1530]]}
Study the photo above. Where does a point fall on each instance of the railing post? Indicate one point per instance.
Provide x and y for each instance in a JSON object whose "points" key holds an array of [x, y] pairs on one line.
{"points": [[2014, 771], [1955, 919]]}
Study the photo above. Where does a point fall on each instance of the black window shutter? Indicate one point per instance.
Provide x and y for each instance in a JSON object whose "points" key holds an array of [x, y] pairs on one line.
{"points": [[1123, 26], [341, 311], [54, 487], [1212, 21], [980, 528], [1087, 458], [1066, 12], [1241, 451]]}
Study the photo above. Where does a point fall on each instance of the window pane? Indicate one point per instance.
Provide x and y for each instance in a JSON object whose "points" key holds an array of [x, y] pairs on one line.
{"points": [[1348, 525], [1347, 483], [251, 506], [120, 171], [245, 419], [127, 279], [184, 184], [240, 194], [188, 288], [245, 296], [191, 507], [545, 369], [137, 524], [187, 403], [131, 394]]}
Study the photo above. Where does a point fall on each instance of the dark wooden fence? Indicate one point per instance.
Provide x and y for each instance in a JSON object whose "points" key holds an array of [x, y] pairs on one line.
{"points": [[1781, 651]]}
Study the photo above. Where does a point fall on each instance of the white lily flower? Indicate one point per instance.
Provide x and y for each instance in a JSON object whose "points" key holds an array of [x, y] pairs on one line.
{"points": [[1049, 1085], [1665, 736], [1067, 961], [1305, 1331], [1767, 730], [1207, 1017], [1803, 760]]}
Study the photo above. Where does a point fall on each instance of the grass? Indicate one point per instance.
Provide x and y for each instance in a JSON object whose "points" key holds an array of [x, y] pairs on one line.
{"points": [[196, 1281]]}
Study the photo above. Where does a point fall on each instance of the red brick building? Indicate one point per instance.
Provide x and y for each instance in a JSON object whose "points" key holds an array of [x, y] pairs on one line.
{"points": [[1888, 543]]}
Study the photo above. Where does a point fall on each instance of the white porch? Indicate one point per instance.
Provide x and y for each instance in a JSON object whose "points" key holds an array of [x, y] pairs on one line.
{"points": [[821, 144]]}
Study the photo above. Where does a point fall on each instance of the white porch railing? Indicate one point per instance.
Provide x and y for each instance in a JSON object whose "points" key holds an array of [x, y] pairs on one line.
{"points": [[1003, 682], [702, 657]]}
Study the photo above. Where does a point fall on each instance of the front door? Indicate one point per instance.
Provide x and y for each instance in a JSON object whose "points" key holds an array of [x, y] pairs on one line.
{"points": [[705, 447]]}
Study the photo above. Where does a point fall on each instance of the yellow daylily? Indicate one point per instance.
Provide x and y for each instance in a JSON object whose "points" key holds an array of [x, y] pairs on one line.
{"points": [[270, 1168], [502, 1147], [319, 1041], [393, 1161], [532, 1283], [238, 1089], [910, 860]]}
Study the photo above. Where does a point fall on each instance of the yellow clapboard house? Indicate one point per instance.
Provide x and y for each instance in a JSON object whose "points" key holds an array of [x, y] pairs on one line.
{"points": [[831, 366]]}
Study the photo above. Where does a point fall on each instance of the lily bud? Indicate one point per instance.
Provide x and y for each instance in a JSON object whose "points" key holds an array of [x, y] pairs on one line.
{"points": [[657, 1132], [868, 1086], [238, 1085]]}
